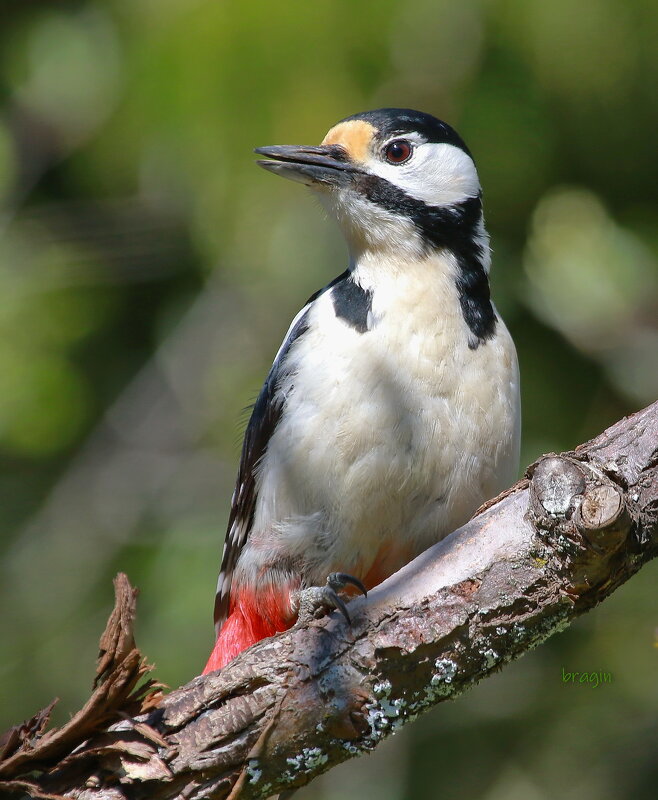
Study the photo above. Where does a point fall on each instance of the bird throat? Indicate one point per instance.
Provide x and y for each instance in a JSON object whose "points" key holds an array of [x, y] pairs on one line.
{"points": [[456, 229]]}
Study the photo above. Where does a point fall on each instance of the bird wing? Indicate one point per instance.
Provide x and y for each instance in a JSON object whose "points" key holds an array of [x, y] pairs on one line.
{"points": [[265, 415]]}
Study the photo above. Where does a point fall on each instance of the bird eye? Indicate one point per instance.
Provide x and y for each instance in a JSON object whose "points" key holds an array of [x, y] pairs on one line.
{"points": [[398, 152]]}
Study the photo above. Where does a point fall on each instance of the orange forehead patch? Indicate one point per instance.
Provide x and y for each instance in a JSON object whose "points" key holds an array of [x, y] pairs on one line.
{"points": [[355, 136]]}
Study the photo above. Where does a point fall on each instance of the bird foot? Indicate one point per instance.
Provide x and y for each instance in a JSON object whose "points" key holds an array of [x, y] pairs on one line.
{"points": [[317, 601]]}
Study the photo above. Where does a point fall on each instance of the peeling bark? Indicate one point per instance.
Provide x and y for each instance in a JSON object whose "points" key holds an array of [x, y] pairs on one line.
{"points": [[563, 539]]}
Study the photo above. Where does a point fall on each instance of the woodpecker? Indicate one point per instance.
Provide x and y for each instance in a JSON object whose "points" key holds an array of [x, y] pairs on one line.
{"points": [[392, 409]]}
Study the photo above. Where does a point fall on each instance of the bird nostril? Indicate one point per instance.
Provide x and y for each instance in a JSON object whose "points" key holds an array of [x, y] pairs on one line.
{"points": [[338, 152]]}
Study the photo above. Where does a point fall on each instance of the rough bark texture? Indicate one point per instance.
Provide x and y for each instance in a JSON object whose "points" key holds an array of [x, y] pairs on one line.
{"points": [[531, 561]]}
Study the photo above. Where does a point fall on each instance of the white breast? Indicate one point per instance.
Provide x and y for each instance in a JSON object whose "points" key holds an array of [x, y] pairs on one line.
{"points": [[391, 436]]}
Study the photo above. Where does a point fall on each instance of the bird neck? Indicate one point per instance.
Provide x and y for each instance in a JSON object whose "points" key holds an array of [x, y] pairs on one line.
{"points": [[445, 243]]}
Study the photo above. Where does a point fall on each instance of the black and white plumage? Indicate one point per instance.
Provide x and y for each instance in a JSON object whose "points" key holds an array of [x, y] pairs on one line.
{"points": [[392, 408]]}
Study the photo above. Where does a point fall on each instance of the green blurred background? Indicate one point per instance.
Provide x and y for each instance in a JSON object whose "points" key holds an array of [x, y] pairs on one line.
{"points": [[148, 271]]}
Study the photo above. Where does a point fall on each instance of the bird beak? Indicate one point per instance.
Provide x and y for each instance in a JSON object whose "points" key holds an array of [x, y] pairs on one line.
{"points": [[327, 165]]}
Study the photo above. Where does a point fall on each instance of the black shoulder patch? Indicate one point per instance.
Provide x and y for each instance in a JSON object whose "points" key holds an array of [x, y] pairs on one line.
{"points": [[342, 277], [352, 303], [265, 416]]}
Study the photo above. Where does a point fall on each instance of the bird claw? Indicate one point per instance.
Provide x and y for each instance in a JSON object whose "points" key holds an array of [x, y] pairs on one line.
{"points": [[316, 601]]}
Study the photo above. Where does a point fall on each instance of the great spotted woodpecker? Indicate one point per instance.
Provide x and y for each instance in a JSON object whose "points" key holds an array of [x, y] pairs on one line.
{"points": [[391, 411]]}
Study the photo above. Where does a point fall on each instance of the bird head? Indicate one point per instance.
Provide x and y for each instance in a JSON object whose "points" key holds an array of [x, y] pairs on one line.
{"points": [[395, 179]]}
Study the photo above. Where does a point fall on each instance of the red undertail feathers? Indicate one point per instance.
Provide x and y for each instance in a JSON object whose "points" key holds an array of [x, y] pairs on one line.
{"points": [[252, 616]]}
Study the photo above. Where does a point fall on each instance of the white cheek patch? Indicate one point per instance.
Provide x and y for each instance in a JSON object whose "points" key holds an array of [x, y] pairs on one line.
{"points": [[437, 174]]}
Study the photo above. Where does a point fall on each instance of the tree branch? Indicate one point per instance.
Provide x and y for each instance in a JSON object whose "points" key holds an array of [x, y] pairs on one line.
{"points": [[556, 544]]}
